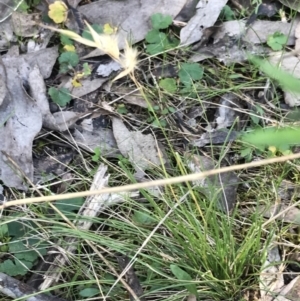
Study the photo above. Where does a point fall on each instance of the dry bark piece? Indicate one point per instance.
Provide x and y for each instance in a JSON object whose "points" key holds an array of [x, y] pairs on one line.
{"points": [[15, 289], [131, 278], [229, 46], [6, 33], [188, 11], [228, 111], [50, 167], [24, 25], [264, 9], [292, 290], [221, 187], [216, 137]]}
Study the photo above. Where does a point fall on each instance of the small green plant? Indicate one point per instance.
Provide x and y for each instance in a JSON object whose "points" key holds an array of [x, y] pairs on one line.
{"points": [[157, 40], [67, 207], [65, 40], [96, 156], [67, 61], [168, 84], [188, 74], [277, 41], [180, 274], [60, 96], [121, 109], [156, 113], [227, 13], [22, 252], [89, 292]]}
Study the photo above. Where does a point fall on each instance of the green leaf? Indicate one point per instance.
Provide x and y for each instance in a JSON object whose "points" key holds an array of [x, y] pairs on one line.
{"points": [[17, 229], [165, 111], [246, 152], [89, 292], [3, 230], [41, 246], [155, 36], [142, 218], [180, 274], [172, 110], [285, 79], [153, 49], [227, 13], [168, 84], [23, 7], [69, 58], [122, 109], [86, 33], [277, 40], [292, 116], [16, 246], [190, 72], [60, 96], [65, 40], [159, 123], [69, 205], [86, 69], [21, 252], [160, 21], [14, 268], [96, 156], [9, 267], [278, 137]]}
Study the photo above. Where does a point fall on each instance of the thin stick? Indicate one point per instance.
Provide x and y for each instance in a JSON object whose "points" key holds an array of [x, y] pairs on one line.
{"points": [[169, 181]]}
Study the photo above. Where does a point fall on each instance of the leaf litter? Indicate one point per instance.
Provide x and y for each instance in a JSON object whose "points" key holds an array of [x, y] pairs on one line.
{"points": [[25, 110]]}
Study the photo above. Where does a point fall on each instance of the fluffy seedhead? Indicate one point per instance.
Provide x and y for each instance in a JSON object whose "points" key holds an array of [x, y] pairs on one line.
{"points": [[108, 44]]}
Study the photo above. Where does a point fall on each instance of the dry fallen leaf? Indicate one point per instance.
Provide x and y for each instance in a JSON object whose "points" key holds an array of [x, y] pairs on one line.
{"points": [[21, 121], [141, 149], [93, 138], [206, 15], [222, 188], [259, 31]]}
